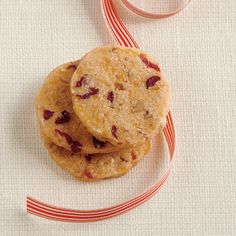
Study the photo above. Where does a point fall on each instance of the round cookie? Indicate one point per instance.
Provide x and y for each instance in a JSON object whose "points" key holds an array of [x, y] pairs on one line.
{"points": [[95, 167], [57, 118], [120, 95]]}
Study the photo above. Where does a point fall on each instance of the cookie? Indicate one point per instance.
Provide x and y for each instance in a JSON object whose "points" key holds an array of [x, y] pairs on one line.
{"points": [[95, 167], [57, 118], [120, 95]]}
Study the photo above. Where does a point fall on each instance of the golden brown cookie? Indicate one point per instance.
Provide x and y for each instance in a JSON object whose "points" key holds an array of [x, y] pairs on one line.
{"points": [[95, 167], [120, 95], [57, 118]]}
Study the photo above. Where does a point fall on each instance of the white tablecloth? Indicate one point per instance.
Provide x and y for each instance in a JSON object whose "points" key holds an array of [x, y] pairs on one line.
{"points": [[197, 52]]}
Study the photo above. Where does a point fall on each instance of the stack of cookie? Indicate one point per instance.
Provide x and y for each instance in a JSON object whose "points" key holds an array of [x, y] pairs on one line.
{"points": [[98, 114]]}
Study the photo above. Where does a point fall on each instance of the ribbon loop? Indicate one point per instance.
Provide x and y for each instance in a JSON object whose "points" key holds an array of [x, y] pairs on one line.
{"points": [[143, 13]]}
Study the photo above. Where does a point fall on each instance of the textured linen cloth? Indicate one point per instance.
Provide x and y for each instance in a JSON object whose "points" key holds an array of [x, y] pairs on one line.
{"points": [[197, 53]]}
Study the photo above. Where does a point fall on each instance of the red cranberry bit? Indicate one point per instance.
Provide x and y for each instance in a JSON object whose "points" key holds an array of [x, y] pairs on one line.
{"points": [[110, 96], [72, 67], [133, 155], [88, 157], [47, 114], [123, 159], [152, 81], [148, 63], [75, 146], [80, 82], [113, 131], [88, 174], [98, 143], [64, 118], [92, 91], [65, 135]]}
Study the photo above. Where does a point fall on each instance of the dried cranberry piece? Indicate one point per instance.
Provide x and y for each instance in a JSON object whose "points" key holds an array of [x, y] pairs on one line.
{"points": [[113, 131], [134, 157], [110, 96], [80, 82], [98, 143], [65, 135], [72, 67], [148, 63], [47, 114], [123, 159], [92, 91], [75, 146], [151, 81], [88, 174], [64, 118], [88, 157]]}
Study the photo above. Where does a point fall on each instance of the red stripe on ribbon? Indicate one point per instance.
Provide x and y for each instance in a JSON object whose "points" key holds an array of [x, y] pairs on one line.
{"points": [[122, 37], [130, 39]]}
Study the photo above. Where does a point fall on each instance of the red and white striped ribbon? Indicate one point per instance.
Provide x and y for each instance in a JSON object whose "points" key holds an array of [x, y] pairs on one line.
{"points": [[122, 37]]}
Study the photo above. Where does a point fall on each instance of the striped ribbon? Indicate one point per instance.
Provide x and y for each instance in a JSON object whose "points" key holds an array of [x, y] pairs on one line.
{"points": [[122, 37]]}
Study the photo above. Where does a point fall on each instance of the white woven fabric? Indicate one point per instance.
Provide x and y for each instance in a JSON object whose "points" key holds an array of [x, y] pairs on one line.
{"points": [[197, 52]]}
